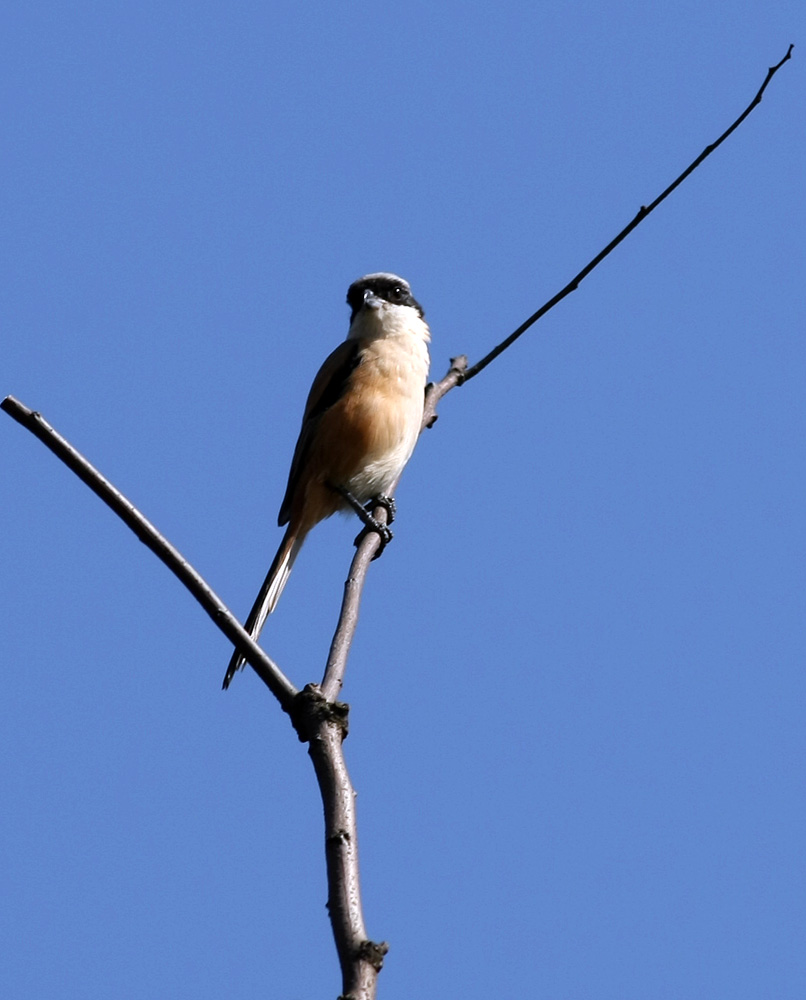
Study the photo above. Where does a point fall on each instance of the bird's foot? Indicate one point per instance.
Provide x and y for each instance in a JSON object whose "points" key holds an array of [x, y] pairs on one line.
{"points": [[388, 504], [370, 523], [384, 533]]}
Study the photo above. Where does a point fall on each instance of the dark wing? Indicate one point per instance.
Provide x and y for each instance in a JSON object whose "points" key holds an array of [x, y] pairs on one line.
{"points": [[328, 387]]}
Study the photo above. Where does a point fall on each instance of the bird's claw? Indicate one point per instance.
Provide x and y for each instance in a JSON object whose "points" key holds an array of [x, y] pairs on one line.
{"points": [[379, 529], [382, 500]]}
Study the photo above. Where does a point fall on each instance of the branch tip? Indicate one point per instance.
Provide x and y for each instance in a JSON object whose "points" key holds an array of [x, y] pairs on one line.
{"points": [[643, 212]]}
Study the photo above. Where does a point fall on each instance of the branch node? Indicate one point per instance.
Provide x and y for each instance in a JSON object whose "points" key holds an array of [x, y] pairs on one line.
{"points": [[374, 953], [459, 366], [309, 708], [339, 837]]}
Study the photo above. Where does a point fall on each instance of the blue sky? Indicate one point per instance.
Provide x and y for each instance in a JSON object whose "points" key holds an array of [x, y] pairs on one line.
{"points": [[577, 691]]}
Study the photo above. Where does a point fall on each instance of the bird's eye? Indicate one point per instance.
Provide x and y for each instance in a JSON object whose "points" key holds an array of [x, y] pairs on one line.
{"points": [[398, 294]]}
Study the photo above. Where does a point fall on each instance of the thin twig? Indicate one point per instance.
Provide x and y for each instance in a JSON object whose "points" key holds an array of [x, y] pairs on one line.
{"points": [[643, 212], [354, 584], [348, 617], [436, 390], [267, 670]]}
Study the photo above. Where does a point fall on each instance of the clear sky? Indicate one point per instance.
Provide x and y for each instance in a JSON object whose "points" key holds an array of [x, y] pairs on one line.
{"points": [[578, 725]]}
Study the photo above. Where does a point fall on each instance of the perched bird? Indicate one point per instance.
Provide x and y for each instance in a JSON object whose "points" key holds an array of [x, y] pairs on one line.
{"points": [[361, 422]]}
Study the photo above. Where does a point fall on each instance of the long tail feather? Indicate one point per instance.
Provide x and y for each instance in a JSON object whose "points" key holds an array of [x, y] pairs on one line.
{"points": [[267, 599]]}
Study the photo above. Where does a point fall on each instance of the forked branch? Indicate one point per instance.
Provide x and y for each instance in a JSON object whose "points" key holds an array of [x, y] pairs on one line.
{"points": [[318, 717], [459, 373]]}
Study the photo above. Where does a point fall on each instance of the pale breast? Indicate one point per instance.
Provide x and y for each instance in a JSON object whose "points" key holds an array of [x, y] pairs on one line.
{"points": [[367, 437]]}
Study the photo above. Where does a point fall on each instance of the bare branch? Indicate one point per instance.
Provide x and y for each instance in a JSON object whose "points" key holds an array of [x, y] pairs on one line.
{"points": [[268, 671], [344, 900], [367, 547], [323, 725], [360, 959], [436, 390], [643, 212], [348, 617], [319, 721]]}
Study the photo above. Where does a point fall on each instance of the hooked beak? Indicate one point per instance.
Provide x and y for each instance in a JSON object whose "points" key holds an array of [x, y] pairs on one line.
{"points": [[371, 300]]}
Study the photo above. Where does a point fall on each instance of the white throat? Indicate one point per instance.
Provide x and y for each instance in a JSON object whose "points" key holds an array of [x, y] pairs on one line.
{"points": [[388, 321]]}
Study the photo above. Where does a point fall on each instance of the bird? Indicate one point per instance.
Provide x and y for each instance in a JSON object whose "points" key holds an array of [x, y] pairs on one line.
{"points": [[359, 428]]}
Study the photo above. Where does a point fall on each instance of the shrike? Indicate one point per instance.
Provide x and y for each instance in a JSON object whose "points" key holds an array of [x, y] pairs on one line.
{"points": [[361, 422]]}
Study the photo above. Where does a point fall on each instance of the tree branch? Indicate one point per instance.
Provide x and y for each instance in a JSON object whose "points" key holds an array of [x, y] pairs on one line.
{"points": [[268, 671], [323, 725], [361, 959], [367, 547], [642, 213], [325, 749]]}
